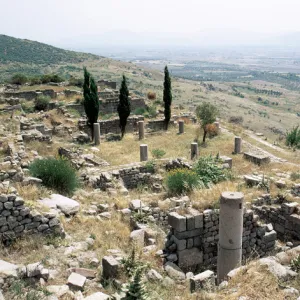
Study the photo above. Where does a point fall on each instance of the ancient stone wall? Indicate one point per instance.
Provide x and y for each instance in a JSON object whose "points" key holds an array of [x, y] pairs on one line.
{"points": [[284, 217], [193, 238], [112, 125], [106, 83], [31, 95], [16, 219], [157, 125]]}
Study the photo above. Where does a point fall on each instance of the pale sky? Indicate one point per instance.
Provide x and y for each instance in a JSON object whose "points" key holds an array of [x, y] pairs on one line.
{"points": [[52, 21]]}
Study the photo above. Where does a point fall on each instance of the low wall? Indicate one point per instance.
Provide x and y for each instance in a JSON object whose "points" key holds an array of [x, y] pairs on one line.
{"points": [[284, 217], [17, 219], [112, 125], [31, 95], [194, 237]]}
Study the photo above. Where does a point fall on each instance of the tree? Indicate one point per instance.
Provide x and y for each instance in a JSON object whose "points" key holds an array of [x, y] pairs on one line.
{"points": [[124, 106], [207, 114], [91, 101], [167, 97]]}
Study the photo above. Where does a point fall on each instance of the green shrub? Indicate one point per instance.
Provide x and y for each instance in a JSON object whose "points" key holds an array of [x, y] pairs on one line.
{"points": [[293, 137], [27, 107], [151, 111], [295, 176], [139, 111], [41, 103], [158, 153], [136, 289], [150, 166], [295, 264], [209, 171], [180, 181], [18, 79], [55, 173]]}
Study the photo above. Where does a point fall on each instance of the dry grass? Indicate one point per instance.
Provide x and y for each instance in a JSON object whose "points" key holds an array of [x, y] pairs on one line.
{"points": [[31, 192], [256, 283], [109, 234]]}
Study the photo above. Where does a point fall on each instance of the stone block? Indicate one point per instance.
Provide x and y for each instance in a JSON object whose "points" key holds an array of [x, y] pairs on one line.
{"points": [[188, 234], [76, 280], [138, 237], [177, 221], [190, 222], [198, 217], [279, 228], [181, 244], [189, 258], [110, 267], [203, 281], [269, 236], [174, 271]]}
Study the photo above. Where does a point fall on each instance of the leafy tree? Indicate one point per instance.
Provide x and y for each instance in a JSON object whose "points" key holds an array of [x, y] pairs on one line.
{"points": [[124, 106], [167, 97], [91, 102], [207, 114]]}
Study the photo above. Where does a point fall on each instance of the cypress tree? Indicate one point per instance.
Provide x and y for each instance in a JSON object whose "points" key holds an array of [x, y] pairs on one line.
{"points": [[91, 101], [167, 97], [124, 106]]}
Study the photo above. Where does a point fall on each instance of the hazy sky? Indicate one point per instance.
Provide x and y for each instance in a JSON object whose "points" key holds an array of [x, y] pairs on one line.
{"points": [[53, 20]]}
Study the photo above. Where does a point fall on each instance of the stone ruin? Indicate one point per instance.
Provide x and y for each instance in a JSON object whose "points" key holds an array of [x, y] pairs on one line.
{"points": [[17, 219], [193, 238]]}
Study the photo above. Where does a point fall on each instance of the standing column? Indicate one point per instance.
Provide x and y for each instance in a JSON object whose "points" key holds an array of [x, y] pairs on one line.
{"points": [[230, 233], [217, 124], [97, 133], [181, 126], [194, 150], [237, 145], [141, 130], [144, 152]]}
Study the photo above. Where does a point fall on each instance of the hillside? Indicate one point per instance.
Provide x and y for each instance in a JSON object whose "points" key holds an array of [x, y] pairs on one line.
{"points": [[31, 52]]}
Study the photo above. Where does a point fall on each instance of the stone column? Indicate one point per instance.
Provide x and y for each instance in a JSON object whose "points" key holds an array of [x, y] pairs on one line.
{"points": [[181, 126], [97, 133], [217, 124], [230, 233], [237, 145], [141, 130], [194, 150], [144, 152]]}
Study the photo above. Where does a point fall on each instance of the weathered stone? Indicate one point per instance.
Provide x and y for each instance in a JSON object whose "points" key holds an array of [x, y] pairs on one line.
{"points": [[8, 269], [189, 258], [33, 270], [98, 296], [138, 237], [177, 221], [76, 280], [153, 275], [110, 267], [204, 280], [174, 271], [57, 290]]}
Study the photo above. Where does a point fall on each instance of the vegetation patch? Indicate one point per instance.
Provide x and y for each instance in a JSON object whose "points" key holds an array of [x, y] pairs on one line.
{"points": [[55, 173]]}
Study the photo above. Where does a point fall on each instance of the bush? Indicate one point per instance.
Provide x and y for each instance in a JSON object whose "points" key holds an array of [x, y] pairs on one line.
{"points": [[209, 171], [151, 95], [158, 153], [295, 264], [18, 79], [212, 130], [295, 176], [73, 81], [151, 111], [41, 103], [139, 111], [293, 137], [55, 173], [51, 78], [27, 107], [150, 166], [180, 181]]}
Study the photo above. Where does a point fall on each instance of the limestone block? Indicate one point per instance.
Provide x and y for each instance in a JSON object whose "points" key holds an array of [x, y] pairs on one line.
{"points": [[204, 280], [189, 258], [177, 221], [76, 280], [110, 267]]}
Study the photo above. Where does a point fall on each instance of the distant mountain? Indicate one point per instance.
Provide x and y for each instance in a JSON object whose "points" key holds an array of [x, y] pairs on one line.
{"points": [[29, 52]]}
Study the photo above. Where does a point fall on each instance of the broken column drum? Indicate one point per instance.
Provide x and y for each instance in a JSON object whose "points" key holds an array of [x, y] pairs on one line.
{"points": [[144, 152], [237, 145], [97, 133], [141, 130], [194, 150], [230, 233], [181, 126]]}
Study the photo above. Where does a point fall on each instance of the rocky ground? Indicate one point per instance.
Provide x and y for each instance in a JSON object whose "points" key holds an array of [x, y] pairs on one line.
{"points": [[80, 246]]}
